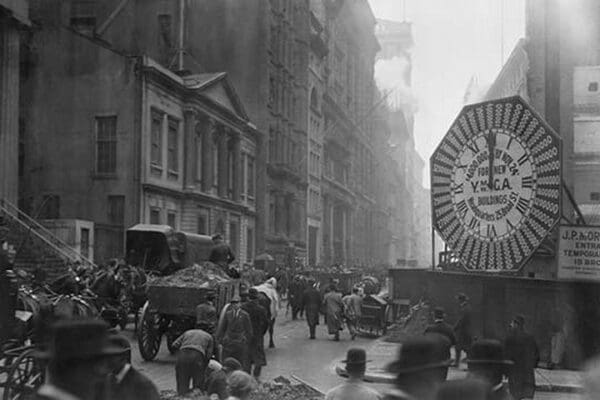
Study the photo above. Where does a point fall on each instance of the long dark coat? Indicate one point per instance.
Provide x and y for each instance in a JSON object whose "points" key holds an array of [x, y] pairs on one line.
{"points": [[521, 348], [444, 329], [260, 324], [334, 308], [296, 290], [463, 327], [311, 303]]}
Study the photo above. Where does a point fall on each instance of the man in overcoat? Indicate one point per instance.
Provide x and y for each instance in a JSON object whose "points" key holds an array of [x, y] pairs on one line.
{"points": [[260, 324], [522, 349], [487, 362], [311, 303], [235, 332], [463, 327], [334, 308]]}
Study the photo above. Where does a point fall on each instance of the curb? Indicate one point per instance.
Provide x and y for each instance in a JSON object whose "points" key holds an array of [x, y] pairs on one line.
{"points": [[389, 379]]}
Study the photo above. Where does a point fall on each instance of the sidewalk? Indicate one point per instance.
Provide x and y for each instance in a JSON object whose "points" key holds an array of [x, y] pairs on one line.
{"points": [[381, 353]]}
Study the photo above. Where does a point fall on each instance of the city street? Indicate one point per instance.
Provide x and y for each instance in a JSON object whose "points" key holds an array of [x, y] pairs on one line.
{"points": [[312, 361]]}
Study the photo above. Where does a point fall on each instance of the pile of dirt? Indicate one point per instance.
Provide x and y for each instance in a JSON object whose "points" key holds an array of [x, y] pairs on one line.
{"points": [[206, 275], [414, 324], [280, 389], [283, 389]]}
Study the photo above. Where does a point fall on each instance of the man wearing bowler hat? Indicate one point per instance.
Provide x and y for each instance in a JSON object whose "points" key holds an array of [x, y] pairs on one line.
{"points": [[354, 388], [420, 368], [77, 357], [125, 382], [260, 325], [487, 362], [463, 328], [522, 349]]}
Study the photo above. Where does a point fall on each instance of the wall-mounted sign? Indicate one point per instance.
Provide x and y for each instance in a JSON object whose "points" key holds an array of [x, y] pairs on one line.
{"points": [[496, 184], [579, 253]]}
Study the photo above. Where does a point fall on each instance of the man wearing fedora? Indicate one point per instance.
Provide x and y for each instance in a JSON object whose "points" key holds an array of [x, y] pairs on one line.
{"points": [[77, 356], [487, 362], [354, 388], [234, 333], [311, 303], [522, 349], [463, 328], [125, 382], [420, 368]]}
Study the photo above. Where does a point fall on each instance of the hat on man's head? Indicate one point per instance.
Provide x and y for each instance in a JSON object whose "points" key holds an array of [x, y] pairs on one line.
{"points": [[231, 364], [487, 351], [217, 236], [463, 389], [252, 294], [355, 357], [462, 297], [420, 353], [439, 313], [519, 319], [80, 340]]}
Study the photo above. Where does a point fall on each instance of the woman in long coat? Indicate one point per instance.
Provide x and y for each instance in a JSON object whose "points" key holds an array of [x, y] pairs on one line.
{"points": [[311, 304], [334, 307]]}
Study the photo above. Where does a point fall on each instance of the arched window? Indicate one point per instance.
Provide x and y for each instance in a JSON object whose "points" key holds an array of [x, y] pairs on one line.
{"points": [[314, 99]]}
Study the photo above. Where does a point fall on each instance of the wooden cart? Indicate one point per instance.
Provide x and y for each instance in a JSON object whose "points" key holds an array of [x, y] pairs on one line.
{"points": [[375, 315], [170, 311]]}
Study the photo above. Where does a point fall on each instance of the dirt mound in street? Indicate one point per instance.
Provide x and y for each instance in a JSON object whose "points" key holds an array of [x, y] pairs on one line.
{"points": [[414, 324], [206, 274], [280, 389]]}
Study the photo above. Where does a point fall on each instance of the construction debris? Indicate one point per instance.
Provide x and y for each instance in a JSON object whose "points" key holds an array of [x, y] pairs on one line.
{"points": [[205, 274]]}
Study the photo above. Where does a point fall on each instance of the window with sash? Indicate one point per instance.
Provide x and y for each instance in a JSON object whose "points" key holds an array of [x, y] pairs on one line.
{"points": [[106, 145]]}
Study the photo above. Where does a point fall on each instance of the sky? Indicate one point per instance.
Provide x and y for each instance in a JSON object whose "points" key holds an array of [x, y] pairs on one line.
{"points": [[454, 40]]}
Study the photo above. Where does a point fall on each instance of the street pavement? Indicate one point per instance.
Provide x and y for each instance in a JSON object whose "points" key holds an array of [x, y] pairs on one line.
{"points": [[312, 361]]}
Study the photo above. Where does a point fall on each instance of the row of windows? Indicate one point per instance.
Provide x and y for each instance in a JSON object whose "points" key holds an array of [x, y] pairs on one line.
{"points": [[314, 201], [284, 150]]}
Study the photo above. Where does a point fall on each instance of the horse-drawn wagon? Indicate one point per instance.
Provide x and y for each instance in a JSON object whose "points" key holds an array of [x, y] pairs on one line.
{"points": [[183, 278]]}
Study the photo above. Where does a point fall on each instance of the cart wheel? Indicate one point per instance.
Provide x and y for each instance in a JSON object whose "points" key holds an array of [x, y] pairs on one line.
{"points": [[149, 335], [24, 376]]}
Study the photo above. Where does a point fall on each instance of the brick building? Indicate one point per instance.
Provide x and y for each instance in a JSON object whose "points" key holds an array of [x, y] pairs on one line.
{"points": [[116, 138]]}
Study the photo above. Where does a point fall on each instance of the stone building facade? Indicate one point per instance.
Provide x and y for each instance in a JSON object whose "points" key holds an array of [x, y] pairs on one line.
{"points": [[117, 138], [14, 18]]}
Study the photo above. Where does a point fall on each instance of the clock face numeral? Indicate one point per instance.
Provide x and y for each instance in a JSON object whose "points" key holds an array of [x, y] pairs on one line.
{"points": [[491, 231], [474, 224], [473, 146], [509, 225], [461, 207], [527, 182], [523, 159], [459, 188], [522, 205]]}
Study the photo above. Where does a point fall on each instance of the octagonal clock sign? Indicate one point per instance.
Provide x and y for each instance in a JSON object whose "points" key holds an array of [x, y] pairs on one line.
{"points": [[496, 184]]}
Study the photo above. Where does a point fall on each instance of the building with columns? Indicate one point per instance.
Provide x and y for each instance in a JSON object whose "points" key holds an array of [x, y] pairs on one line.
{"points": [[14, 17], [119, 139]]}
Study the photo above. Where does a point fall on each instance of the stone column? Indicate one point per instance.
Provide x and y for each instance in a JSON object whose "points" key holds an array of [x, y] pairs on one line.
{"points": [[238, 179], [223, 162], [207, 159], [189, 151], [9, 110]]}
